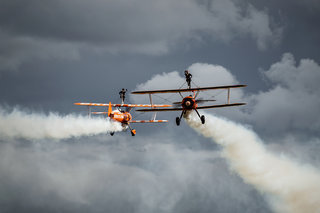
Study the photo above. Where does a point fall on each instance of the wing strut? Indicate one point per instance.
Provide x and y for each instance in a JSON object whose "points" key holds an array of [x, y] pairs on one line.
{"points": [[89, 112], [181, 95], [228, 95], [155, 113]]}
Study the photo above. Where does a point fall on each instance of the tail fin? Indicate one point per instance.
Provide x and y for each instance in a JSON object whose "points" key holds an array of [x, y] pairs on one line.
{"points": [[109, 109]]}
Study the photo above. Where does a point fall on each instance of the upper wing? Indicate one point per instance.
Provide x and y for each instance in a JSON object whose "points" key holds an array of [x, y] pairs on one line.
{"points": [[157, 110], [188, 90], [149, 121], [123, 105], [221, 105]]}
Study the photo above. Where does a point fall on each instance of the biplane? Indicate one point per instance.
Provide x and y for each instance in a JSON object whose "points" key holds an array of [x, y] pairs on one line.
{"points": [[123, 115], [190, 102]]}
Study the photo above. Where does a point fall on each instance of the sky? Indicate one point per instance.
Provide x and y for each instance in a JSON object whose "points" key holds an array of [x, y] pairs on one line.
{"points": [[54, 53]]}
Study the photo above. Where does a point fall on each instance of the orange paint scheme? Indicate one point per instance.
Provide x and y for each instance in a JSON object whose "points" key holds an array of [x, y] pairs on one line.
{"points": [[122, 117]]}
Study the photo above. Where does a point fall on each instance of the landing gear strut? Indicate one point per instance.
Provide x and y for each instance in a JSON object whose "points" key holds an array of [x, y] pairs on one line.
{"points": [[133, 131], [202, 118]]}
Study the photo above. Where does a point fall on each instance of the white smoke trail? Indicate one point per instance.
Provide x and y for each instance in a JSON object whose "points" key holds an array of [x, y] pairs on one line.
{"points": [[294, 187], [19, 124]]}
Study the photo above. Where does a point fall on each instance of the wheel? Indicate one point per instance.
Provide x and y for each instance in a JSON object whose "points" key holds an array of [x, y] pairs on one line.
{"points": [[133, 132], [177, 121], [111, 133], [203, 120]]}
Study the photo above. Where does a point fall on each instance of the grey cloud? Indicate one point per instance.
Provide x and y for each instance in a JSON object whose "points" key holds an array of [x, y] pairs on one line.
{"points": [[293, 101], [119, 177], [232, 20], [303, 76], [16, 50], [125, 26]]}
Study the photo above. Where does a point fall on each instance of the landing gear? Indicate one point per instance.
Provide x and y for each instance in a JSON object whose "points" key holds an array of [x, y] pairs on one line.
{"points": [[111, 133], [133, 131], [203, 120], [177, 121]]}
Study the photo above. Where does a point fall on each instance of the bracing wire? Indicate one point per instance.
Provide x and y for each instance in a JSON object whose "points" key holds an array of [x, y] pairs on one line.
{"points": [[167, 99], [212, 96]]}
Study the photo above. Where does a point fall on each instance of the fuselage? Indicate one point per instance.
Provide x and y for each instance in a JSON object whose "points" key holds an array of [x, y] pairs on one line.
{"points": [[122, 117]]}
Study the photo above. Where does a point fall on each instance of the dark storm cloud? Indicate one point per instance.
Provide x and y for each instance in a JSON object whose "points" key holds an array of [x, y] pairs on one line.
{"points": [[17, 49], [47, 28], [113, 176]]}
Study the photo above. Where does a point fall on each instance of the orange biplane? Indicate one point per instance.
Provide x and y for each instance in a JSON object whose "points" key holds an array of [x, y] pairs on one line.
{"points": [[190, 102], [124, 116]]}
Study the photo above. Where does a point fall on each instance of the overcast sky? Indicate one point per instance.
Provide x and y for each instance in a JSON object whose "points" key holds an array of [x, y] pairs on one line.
{"points": [[56, 52]]}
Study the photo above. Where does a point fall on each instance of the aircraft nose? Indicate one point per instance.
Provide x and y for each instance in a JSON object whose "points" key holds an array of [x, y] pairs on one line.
{"points": [[188, 103]]}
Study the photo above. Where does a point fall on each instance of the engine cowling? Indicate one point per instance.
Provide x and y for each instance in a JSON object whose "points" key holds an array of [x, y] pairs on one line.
{"points": [[188, 103]]}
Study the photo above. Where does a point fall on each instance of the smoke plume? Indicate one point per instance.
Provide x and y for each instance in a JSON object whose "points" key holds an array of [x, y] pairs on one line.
{"points": [[291, 187], [20, 124]]}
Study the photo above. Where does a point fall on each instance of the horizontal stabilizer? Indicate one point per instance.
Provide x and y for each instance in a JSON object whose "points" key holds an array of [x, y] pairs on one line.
{"points": [[149, 121], [188, 90], [123, 105]]}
